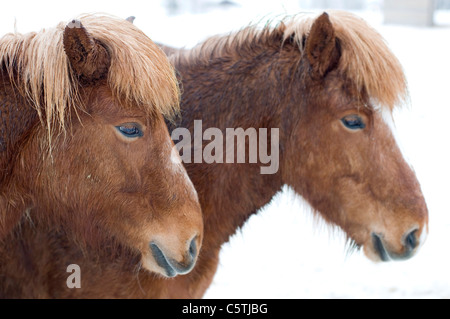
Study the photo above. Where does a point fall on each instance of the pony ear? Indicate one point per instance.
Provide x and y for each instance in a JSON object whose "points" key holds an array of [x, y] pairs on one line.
{"points": [[131, 19], [322, 49], [89, 59]]}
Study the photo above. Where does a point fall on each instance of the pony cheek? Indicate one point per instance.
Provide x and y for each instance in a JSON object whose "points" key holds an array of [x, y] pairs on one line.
{"points": [[353, 207]]}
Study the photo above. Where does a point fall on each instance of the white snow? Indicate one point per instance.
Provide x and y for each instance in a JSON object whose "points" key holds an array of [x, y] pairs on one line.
{"points": [[283, 251]]}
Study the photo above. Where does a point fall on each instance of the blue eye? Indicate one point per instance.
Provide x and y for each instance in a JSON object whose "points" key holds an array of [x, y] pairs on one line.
{"points": [[130, 130], [353, 122]]}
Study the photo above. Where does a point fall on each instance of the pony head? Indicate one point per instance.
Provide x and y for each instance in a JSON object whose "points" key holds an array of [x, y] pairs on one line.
{"points": [[86, 149], [342, 148]]}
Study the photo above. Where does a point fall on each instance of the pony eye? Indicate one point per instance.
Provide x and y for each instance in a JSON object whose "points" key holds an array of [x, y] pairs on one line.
{"points": [[353, 122], [130, 130]]}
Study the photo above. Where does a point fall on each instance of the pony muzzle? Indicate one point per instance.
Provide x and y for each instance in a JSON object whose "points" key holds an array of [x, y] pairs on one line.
{"points": [[170, 267], [382, 250]]}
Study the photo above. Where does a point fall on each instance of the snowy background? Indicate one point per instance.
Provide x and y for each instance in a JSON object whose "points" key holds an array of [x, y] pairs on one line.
{"points": [[308, 259]]}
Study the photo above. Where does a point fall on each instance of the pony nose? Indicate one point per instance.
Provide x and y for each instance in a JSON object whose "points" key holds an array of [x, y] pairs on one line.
{"points": [[410, 241], [172, 266]]}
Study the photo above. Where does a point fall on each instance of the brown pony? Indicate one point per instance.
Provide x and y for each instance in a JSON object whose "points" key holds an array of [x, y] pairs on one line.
{"points": [[329, 84], [89, 181]]}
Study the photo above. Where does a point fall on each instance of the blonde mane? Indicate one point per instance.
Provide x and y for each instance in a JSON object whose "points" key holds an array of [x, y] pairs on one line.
{"points": [[140, 74], [366, 58]]}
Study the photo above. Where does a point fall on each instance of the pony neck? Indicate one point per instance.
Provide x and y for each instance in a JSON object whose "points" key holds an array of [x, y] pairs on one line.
{"points": [[244, 88]]}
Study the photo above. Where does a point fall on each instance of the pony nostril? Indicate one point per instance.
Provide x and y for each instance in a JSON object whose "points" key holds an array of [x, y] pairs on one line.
{"points": [[173, 267], [379, 247], [411, 240], [193, 248], [162, 260]]}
